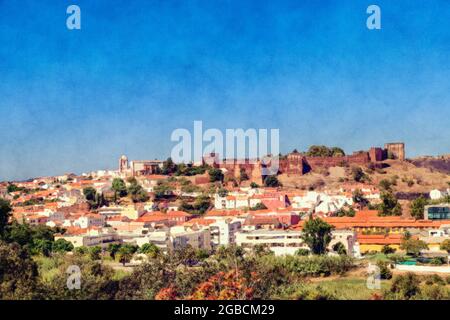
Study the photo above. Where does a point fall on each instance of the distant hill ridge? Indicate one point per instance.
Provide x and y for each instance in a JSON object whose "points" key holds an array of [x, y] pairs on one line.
{"points": [[437, 163]]}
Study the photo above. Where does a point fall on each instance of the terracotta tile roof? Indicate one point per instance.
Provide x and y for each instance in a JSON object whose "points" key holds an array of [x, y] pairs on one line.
{"points": [[128, 227], [200, 221], [163, 216], [263, 211], [151, 218], [274, 204], [370, 218], [117, 218], [51, 205], [261, 221], [176, 213], [35, 216], [75, 231], [223, 213], [93, 215], [380, 222], [379, 239]]}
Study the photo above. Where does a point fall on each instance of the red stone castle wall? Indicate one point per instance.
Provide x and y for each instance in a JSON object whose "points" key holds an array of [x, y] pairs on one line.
{"points": [[354, 159], [297, 164]]}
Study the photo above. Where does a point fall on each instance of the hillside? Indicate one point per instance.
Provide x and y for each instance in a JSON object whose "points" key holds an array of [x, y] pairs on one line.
{"points": [[409, 177], [440, 163]]}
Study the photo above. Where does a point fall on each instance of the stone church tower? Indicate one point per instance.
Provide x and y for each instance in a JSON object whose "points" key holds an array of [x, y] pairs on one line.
{"points": [[123, 164]]}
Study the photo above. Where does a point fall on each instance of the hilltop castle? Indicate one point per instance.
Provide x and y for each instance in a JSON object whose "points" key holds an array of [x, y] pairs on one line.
{"points": [[296, 163]]}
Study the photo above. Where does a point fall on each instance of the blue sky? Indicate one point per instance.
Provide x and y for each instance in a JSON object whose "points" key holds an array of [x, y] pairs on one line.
{"points": [[73, 101]]}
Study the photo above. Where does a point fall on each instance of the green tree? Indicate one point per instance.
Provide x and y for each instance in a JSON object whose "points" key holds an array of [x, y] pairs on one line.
{"points": [[417, 207], [149, 249], [99, 200], [413, 247], [385, 185], [243, 176], [319, 151], [94, 252], [19, 278], [385, 272], [126, 253], [89, 193], [97, 281], [147, 280], [339, 248], [337, 152], [271, 181], [137, 193], [215, 175], [169, 166], [20, 233], [162, 190], [389, 205], [261, 250], [386, 249], [201, 204], [43, 232], [41, 246], [62, 245], [358, 175], [404, 287], [445, 245], [13, 188], [113, 248], [81, 251], [93, 198], [37, 239], [317, 235], [202, 254], [222, 192], [119, 188], [342, 212], [358, 198], [5, 214]]}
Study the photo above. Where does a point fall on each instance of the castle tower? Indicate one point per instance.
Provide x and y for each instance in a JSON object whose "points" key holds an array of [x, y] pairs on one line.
{"points": [[295, 163], [123, 164], [211, 159], [396, 149]]}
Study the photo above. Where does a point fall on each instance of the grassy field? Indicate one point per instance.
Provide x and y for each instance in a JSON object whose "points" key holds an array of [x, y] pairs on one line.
{"points": [[348, 288], [49, 267]]}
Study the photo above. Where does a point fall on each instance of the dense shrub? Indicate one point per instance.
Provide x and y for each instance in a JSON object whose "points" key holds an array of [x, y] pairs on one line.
{"points": [[387, 249], [314, 265], [434, 279], [438, 261], [385, 272], [404, 287], [303, 252]]}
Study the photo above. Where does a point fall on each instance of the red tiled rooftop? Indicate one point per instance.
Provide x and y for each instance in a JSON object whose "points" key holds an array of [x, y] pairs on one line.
{"points": [[379, 239], [200, 221], [223, 213]]}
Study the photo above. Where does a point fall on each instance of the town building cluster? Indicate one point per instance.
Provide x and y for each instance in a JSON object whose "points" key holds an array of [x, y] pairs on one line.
{"points": [[245, 216]]}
